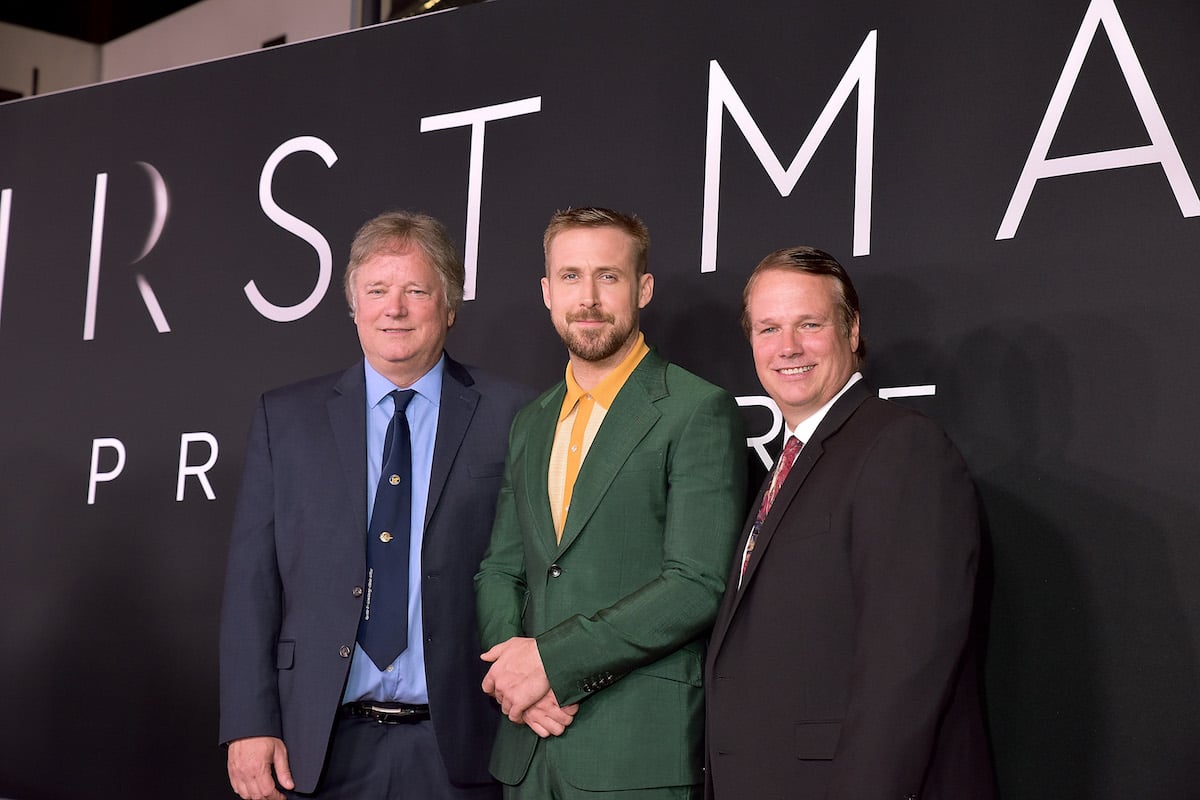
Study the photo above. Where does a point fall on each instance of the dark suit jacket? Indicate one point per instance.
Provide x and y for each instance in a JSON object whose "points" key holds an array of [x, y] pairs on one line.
{"points": [[621, 606], [843, 668], [297, 556]]}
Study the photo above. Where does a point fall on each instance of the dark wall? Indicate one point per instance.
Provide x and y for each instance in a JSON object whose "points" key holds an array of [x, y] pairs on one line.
{"points": [[1059, 355]]}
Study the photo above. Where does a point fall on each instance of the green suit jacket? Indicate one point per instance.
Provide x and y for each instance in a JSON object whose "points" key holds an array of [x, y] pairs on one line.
{"points": [[622, 606]]}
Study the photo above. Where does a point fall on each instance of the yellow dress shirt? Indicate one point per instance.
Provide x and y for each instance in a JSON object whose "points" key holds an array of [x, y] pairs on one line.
{"points": [[578, 421]]}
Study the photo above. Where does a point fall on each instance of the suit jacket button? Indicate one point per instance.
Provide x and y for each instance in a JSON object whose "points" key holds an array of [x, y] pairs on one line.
{"points": [[344, 651], [356, 591], [555, 570]]}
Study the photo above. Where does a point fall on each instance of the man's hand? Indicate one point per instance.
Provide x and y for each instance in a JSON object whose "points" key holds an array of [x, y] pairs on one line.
{"points": [[546, 718], [250, 763], [517, 678]]}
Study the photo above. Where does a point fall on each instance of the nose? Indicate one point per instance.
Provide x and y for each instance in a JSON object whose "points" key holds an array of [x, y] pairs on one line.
{"points": [[790, 343], [395, 305], [589, 297]]}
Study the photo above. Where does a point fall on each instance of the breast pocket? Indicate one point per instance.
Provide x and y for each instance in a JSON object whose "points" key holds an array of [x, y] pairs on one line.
{"points": [[817, 741], [800, 527], [644, 461]]}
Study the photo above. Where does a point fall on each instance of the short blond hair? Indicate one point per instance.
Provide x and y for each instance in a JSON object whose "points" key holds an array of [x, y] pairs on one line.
{"points": [[596, 217]]}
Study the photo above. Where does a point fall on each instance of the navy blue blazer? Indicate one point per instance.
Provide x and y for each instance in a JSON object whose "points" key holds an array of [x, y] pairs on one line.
{"points": [[297, 560]]}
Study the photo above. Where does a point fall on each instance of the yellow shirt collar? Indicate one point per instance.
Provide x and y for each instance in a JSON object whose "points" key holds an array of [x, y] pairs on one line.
{"points": [[605, 392]]}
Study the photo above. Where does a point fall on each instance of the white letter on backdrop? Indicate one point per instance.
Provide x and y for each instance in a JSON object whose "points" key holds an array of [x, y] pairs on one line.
{"points": [[5, 212], [722, 95], [295, 225], [758, 443], [477, 118], [95, 477], [93, 285], [1160, 151], [199, 471]]}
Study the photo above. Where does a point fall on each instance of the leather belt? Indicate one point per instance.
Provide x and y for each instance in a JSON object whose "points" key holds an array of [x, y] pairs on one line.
{"points": [[387, 713]]}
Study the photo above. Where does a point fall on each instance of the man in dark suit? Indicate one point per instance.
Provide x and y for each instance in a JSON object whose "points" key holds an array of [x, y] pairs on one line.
{"points": [[319, 695], [623, 493], [841, 664]]}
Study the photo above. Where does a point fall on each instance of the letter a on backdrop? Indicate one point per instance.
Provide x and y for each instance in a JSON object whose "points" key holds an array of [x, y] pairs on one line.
{"points": [[1161, 150]]}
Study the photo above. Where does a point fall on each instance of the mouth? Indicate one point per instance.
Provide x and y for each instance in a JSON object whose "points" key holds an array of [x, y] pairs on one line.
{"points": [[797, 370], [589, 319]]}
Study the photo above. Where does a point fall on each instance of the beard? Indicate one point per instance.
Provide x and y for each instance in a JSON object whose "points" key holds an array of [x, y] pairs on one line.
{"points": [[596, 344]]}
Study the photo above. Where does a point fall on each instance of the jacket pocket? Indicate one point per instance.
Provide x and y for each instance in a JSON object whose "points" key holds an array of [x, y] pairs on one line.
{"points": [[817, 741], [285, 653], [682, 666]]}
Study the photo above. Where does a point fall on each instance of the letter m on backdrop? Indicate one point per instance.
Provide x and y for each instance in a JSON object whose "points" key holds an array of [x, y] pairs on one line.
{"points": [[722, 96]]}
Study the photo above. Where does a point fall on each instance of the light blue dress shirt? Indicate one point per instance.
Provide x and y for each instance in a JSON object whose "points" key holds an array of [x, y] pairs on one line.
{"points": [[404, 679]]}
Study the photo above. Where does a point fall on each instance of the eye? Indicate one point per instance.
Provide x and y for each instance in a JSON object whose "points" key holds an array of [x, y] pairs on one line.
{"points": [[569, 276], [811, 326], [417, 292], [767, 329], [608, 277]]}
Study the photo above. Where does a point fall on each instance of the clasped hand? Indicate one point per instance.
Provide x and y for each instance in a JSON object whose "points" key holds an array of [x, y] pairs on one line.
{"points": [[517, 680]]}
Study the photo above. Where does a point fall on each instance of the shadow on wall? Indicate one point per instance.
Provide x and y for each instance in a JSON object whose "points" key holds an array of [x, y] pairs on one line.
{"points": [[1090, 657], [109, 627], [1092, 670]]}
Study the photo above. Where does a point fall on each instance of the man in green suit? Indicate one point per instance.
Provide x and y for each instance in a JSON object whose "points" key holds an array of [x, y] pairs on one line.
{"points": [[623, 493]]}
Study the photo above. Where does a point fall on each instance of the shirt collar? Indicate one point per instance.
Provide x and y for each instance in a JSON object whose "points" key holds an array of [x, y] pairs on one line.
{"points": [[805, 430], [428, 386], [605, 392]]}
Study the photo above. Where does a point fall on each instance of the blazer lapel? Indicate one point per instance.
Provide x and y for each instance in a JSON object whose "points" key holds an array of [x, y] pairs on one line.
{"points": [[457, 408], [348, 422], [539, 443], [625, 425], [805, 461]]}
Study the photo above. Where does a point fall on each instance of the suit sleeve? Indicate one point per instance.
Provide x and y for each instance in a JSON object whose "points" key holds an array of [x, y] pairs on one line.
{"points": [[500, 589], [914, 551], [705, 502], [251, 609]]}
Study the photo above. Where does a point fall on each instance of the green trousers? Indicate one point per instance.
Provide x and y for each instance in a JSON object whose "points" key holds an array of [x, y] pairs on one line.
{"points": [[542, 782]]}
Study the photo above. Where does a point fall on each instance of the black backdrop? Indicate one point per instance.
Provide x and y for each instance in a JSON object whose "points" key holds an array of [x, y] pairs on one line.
{"points": [[1060, 358]]}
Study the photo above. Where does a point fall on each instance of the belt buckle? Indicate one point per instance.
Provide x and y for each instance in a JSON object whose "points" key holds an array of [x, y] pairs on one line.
{"points": [[385, 714]]}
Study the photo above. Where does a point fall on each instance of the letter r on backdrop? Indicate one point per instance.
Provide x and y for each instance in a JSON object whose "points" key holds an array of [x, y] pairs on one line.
{"points": [[200, 471]]}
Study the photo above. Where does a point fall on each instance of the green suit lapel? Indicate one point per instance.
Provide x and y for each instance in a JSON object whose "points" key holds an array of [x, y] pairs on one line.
{"points": [[625, 425], [537, 466]]}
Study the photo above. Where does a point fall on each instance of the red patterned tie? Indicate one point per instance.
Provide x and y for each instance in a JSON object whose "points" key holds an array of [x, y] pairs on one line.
{"points": [[786, 459]]}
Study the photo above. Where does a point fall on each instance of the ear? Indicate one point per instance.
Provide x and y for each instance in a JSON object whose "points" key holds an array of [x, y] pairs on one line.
{"points": [[645, 290], [854, 335], [546, 292], [449, 318]]}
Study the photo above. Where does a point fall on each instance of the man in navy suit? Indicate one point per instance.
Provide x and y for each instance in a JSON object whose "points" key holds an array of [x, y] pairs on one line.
{"points": [[305, 710], [841, 664]]}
